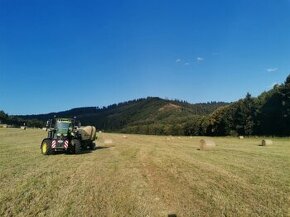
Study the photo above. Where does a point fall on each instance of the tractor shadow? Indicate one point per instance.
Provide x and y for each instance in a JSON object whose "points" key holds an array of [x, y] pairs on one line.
{"points": [[101, 147], [90, 151]]}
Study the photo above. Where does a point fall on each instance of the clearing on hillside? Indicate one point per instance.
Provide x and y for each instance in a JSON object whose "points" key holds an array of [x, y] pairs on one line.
{"points": [[144, 176]]}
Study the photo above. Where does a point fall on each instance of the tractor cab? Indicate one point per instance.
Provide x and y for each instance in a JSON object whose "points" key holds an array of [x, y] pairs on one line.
{"points": [[63, 127], [60, 128]]}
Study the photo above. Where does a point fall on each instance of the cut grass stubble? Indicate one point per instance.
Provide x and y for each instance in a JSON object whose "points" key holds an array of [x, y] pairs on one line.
{"points": [[144, 176]]}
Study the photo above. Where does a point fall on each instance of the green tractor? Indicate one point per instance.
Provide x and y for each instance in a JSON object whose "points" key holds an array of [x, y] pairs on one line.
{"points": [[65, 136]]}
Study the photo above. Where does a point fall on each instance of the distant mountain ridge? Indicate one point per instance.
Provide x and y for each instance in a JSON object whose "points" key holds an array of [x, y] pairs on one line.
{"points": [[267, 114], [140, 112]]}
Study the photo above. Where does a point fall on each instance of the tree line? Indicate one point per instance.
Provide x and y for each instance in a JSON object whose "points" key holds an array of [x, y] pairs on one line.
{"points": [[267, 114], [16, 121]]}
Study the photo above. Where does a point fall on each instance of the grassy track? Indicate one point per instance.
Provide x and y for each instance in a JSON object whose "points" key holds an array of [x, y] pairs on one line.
{"points": [[144, 176]]}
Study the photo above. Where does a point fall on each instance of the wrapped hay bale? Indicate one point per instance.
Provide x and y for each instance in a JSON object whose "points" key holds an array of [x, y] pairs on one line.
{"points": [[266, 142], [206, 144], [87, 133]]}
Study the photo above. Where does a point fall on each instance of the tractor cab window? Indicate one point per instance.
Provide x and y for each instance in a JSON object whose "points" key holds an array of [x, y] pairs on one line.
{"points": [[63, 127]]}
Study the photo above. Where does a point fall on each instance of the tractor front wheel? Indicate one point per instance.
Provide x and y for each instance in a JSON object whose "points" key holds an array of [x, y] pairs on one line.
{"points": [[46, 147], [77, 146], [92, 146]]}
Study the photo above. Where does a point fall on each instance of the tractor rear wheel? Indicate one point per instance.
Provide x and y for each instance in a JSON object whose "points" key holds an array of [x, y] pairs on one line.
{"points": [[46, 147], [77, 146]]}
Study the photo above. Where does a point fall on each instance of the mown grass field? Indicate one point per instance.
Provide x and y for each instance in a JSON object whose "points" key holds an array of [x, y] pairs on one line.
{"points": [[144, 176]]}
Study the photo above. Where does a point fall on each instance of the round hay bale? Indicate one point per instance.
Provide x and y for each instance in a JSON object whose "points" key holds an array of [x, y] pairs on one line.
{"points": [[108, 141], [206, 144], [241, 137], [266, 142], [125, 137]]}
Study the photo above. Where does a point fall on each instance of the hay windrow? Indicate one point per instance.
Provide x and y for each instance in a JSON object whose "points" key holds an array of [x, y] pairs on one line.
{"points": [[108, 141]]}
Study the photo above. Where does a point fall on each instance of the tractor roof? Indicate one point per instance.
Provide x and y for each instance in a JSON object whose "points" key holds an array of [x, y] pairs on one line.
{"points": [[64, 119]]}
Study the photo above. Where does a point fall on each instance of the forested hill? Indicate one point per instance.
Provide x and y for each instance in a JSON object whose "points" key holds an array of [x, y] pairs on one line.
{"points": [[130, 116], [267, 114]]}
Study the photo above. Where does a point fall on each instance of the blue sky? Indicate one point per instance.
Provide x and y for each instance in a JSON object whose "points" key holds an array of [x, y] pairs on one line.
{"points": [[57, 55]]}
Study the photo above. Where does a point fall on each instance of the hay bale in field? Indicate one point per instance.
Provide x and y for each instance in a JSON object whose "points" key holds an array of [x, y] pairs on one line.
{"points": [[206, 144], [108, 141], [241, 137], [23, 127], [266, 142], [125, 137]]}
